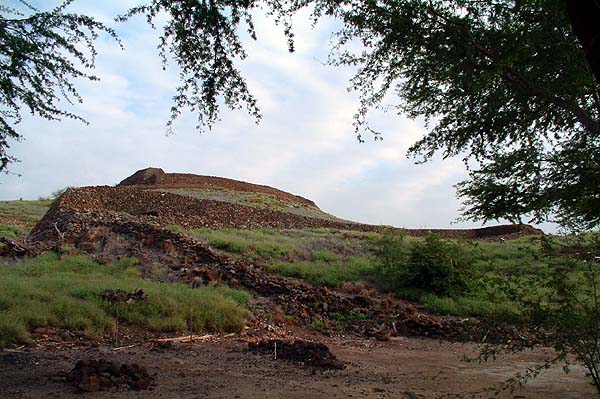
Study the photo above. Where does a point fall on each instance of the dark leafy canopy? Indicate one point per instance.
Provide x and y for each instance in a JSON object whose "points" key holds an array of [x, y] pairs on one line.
{"points": [[41, 53], [505, 84]]}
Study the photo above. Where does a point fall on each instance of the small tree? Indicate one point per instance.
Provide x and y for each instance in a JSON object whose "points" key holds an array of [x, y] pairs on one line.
{"points": [[433, 264]]}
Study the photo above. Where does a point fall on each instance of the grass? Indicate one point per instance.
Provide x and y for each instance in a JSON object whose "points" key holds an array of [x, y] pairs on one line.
{"points": [[320, 256], [271, 245], [26, 211], [18, 217], [332, 274], [472, 307], [331, 258], [12, 231], [519, 256], [47, 291]]}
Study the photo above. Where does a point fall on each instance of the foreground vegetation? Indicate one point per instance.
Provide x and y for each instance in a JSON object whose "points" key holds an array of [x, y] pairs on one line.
{"points": [[48, 291]]}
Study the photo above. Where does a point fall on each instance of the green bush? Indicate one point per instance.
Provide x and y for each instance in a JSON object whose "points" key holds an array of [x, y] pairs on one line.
{"points": [[433, 265]]}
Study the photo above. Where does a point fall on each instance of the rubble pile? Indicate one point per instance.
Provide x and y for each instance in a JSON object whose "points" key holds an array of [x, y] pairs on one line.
{"points": [[166, 209], [91, 375], [111, 236], [308, 353]]}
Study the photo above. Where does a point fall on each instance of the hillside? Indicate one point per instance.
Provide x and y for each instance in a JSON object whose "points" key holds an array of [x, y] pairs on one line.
{"points": [[138, 218], [192, 201], [259, 274]]}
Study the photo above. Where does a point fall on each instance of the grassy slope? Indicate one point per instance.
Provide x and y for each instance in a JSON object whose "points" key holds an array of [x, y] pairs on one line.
{"points": [[18, 217], [334, 258], [320, 256], [47, 291]]}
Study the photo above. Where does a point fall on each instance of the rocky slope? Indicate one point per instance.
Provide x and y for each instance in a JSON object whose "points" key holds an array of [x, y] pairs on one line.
{"points": [[131, 220], [157, 178], [142, 195]]}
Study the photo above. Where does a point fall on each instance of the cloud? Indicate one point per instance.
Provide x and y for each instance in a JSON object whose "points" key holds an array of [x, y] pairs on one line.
{"points": [[305, 143]]}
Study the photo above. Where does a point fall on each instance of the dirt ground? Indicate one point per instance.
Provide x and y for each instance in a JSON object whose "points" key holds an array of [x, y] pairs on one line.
{"points": [[406, 368]]}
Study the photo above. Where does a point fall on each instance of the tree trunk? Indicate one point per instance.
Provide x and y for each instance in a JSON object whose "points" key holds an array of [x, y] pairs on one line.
{"points": [[585, 21]]}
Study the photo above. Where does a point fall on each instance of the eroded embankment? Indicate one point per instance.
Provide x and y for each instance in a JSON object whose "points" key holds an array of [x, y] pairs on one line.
{"points": [[107, 235]]}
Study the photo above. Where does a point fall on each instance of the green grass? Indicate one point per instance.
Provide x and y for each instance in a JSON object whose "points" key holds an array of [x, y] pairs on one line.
{"points": [[18, 217], [472, 307], [329, 257], [46, 291], [520, 256], [12, 231], [271, 245], [27, 211], [320, 256], [331, 274]]}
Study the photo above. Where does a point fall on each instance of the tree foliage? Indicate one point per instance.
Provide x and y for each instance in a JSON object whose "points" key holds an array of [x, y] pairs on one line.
{"points": [[203, 39], [41, 54], [503, 84]]}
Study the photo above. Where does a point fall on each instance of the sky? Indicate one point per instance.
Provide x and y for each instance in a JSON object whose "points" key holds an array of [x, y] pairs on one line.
{"points": [[305, 143]]}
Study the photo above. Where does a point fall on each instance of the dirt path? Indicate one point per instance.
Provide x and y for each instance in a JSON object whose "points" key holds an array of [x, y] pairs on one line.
{"points": [[403, 368]]}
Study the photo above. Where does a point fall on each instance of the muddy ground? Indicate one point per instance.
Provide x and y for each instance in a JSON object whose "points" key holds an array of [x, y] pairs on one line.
{"points": [[223, 368]]}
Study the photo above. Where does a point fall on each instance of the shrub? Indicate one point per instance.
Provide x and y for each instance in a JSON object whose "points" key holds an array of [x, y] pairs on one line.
{"points": [[433, 264], [391, 254], [439, 266]]}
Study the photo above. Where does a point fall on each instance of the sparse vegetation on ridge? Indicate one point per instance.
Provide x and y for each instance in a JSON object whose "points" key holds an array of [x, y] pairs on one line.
{"points": [[271, 245], [18, 217]]}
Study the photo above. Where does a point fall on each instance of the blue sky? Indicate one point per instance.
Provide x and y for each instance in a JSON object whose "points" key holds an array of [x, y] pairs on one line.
{"points": [[305, 143]]}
